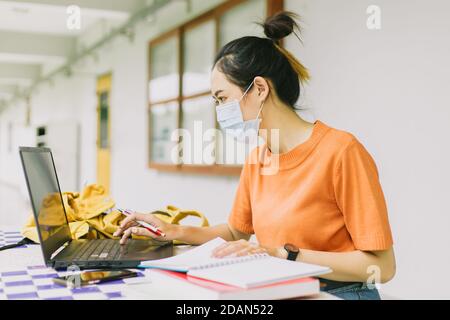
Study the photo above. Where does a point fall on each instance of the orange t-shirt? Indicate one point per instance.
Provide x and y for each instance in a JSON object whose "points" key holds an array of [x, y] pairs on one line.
{"points": [[326, 196]]}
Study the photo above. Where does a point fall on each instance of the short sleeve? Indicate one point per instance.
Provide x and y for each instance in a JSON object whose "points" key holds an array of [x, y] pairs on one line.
{"points": [[361, 199], [241, 213]]}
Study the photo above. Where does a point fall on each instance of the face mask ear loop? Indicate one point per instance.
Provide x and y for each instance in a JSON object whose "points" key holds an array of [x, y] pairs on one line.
{"points": [[246, 91], [260, 110]]}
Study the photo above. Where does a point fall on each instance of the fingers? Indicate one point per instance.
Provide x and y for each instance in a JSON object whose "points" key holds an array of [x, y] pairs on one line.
{"points": [[131, 218], [126, 234], [129, 225], [248, 251], [128, 222], [137, 232], [120, 230], [229, 249], [219, 248], [236, 248]]}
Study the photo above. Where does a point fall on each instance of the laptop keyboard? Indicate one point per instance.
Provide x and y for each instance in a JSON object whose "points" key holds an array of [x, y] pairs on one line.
{"points": [[98, 250]]}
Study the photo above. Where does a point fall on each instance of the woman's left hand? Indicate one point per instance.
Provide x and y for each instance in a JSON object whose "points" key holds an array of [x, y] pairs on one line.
{"points": [[241, 248]]}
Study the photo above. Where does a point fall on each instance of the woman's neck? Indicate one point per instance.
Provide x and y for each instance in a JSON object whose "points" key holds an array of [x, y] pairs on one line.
{"points": [[292, 129]]}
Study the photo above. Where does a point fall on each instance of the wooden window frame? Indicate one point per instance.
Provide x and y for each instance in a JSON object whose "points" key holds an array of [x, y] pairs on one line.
{"points": [[215, 14]]}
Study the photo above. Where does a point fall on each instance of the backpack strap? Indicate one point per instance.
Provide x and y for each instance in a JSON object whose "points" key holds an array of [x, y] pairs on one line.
{"points": [[18, 244]]}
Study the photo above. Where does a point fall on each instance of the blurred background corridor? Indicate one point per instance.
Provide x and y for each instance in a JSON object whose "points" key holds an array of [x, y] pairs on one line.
{"points": [[105, 92]]}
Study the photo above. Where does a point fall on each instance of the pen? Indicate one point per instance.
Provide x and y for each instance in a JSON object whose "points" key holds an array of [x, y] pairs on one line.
{"points": [[144, 224]]}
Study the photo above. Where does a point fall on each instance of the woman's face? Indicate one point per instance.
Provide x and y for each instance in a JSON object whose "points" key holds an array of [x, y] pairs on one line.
{"points": [[224, 91]]}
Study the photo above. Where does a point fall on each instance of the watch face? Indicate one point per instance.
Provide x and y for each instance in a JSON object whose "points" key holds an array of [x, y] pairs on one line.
{"points": [[290, 247]]}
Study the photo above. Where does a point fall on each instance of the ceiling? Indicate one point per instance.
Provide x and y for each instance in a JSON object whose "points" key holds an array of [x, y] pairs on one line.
{"points": [[35, 38]]}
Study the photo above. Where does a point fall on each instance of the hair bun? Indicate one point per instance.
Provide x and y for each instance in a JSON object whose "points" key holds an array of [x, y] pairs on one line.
{"points": [[280, 25]]}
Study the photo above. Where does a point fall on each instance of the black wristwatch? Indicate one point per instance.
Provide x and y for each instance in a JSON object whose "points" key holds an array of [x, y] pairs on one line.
{"points": [[292, 251]]}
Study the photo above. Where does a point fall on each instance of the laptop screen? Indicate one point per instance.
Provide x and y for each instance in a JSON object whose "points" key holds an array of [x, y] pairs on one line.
{"points": [[46, 199]]}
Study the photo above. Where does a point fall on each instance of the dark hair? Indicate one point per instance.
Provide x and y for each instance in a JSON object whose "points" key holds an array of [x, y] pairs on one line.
{"points": [[243, 59]]}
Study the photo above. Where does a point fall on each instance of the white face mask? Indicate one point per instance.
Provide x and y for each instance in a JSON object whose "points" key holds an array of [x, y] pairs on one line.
{"points": [[229, 116]]}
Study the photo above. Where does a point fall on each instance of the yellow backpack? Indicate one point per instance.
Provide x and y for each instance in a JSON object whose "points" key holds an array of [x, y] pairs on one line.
{"points": [[91, 215]]}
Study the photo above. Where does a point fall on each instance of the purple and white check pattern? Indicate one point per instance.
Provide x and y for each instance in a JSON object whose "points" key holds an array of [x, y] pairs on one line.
{"points": [[35, 282]]}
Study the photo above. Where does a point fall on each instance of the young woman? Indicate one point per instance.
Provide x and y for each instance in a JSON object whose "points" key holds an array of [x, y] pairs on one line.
{"points": [[324, 205]]}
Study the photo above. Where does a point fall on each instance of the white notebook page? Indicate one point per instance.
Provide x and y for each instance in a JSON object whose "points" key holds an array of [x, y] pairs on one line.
{"points": [[245, 272], [259, 272]]}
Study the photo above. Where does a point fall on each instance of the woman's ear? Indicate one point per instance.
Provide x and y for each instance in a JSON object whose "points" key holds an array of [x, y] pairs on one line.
{"points": [[262, 87]]}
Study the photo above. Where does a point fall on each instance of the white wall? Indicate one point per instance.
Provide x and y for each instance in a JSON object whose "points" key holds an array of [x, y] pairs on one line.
{"points": [[58, 103], [386, 86], [132, 183], [391, 89]]}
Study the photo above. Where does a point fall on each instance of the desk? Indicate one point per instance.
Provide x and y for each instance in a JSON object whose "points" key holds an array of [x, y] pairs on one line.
{"points": [[24, 276]]}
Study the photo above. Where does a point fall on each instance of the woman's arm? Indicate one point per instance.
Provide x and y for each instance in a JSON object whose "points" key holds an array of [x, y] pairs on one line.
{"points": [[354, 266], [199, 235], [188, 234]]}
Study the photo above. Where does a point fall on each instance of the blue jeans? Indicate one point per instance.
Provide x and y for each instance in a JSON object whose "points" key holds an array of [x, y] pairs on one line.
{"points": [[349, 290]]}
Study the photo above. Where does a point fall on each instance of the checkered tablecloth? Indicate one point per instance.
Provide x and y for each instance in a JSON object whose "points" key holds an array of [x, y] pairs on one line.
{"points": [[22, 281], [10, 237], [35, 282]]}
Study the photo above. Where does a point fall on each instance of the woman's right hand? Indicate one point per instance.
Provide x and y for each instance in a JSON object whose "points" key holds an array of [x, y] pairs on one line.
{"points": [[130, 226]]}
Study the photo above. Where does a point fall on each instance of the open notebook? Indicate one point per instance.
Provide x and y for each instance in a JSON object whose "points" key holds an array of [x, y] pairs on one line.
{"points": [[245, 272]]}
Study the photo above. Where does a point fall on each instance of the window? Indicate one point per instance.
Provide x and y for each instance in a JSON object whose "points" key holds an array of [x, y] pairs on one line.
{"points": [[164, 118], [183, 133], [240, 21]]}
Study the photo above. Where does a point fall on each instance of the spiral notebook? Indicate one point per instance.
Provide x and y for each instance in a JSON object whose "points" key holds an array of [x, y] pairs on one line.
{"points": [[245, 272]]}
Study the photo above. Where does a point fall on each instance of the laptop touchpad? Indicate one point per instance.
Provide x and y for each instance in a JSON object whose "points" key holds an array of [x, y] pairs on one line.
{"points": [[145, 250]]}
